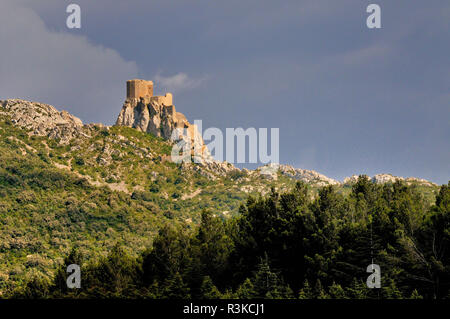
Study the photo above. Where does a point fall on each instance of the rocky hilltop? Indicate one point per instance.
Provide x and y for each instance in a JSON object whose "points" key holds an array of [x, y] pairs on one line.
{"points": [[388, 178], [308, 176], [148, 113], [42, 119], [157, 115]]}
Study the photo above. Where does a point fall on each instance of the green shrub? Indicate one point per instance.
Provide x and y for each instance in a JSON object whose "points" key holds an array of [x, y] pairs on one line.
{"points": [[79, 161]]}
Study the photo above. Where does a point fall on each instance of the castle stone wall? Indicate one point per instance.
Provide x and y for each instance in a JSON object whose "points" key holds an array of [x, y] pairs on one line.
{"points": [[166, 100]]}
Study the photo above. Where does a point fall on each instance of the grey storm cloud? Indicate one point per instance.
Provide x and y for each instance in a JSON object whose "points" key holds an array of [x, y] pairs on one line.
{"points": [[57, 67]]}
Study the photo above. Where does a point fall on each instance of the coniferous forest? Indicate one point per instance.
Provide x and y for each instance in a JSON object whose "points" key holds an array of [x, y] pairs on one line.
{"points": [[284, 246]]}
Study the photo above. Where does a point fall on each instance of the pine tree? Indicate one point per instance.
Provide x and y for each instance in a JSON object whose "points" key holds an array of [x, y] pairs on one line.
{"points": [[59, 286], [336, 291], [319, 292], [246, 290], [267, 284], [175, 288], [415, 295], [209, 290], [357, 290], [391, 291], [306, 291]]}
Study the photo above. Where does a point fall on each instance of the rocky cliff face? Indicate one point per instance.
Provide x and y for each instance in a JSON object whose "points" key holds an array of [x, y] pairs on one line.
{"points": [[153, 115]]}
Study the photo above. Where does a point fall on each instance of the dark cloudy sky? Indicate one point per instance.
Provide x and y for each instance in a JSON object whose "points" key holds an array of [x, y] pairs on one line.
{"points": [[347, 100]]}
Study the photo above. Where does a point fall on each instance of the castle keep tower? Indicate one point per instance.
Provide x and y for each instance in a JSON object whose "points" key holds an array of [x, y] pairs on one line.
{"points": [[139, 88]]}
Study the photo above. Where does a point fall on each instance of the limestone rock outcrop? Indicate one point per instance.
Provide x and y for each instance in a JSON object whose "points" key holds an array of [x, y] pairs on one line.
{"points": [[43, 119], [389, 178], [350, 180], [151, 116], [385, 178], [308, 176]]}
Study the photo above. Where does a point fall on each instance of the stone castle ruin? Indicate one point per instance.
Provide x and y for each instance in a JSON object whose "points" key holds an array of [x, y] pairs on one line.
{"points": [[137, 89], [156, 114]]}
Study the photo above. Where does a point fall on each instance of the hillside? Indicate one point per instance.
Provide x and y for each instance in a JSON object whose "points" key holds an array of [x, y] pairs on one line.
{"points": [[92, 186], [64, 184]]}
